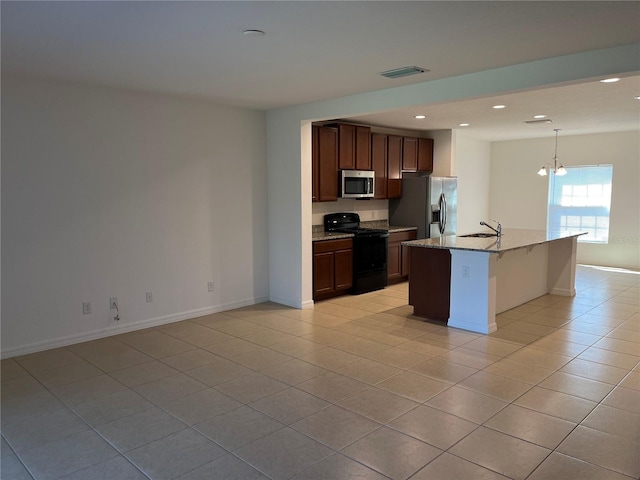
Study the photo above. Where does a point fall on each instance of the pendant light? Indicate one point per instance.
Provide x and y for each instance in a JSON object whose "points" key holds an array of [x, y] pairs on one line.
{"points": [[558, 168]]}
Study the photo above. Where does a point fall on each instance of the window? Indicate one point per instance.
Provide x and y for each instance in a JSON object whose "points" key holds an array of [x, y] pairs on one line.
{"points": [[580, 202]]}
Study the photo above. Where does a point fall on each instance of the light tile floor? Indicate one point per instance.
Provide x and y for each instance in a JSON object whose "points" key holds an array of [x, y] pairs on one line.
{"points": [[356, 388]]}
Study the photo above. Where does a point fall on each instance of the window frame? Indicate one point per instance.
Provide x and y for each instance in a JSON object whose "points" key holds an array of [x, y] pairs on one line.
{"points": [[559, 213]]}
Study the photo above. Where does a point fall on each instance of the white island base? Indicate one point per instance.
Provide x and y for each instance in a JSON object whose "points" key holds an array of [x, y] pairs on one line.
{"points": [[489, 276]]}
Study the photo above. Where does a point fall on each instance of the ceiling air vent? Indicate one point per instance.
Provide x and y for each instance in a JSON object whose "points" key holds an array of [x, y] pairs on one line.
{"points": [[533, 122], [403, 72]]}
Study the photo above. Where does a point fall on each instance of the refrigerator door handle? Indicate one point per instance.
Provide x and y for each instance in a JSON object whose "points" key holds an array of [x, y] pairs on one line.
{"points": [[443, 213]]}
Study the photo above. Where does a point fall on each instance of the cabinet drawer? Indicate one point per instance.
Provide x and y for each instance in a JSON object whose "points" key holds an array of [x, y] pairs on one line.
{"points": [[332, 245], [402, 236]]}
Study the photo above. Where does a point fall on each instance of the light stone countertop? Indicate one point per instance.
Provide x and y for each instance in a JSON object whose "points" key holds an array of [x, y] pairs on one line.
{"points": [[393, 229], [319, 234], [511, 239], [322, 235]]}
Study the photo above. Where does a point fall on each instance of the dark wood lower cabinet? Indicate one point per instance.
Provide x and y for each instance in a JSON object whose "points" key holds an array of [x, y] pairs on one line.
{"points": [[430, 282], [323, 273], [398, 264], [343, 261], [393, 261], [332, 268]]}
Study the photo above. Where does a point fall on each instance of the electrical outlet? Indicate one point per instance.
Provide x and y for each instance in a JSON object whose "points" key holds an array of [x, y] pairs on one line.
{"points": [[211, 286], [149, 297], [465, 271], [86, 308], [113, 303]]}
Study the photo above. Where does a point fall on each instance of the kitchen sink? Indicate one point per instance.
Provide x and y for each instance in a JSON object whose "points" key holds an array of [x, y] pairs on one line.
{"points": [[480, 235]]}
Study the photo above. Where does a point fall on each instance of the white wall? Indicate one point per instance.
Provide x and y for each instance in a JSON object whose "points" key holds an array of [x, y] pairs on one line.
{"points": [[108, 192], [519, 196], [473, 169]]}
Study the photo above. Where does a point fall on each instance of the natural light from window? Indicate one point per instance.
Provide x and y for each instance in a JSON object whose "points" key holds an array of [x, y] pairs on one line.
{"points": [[580, 201]]}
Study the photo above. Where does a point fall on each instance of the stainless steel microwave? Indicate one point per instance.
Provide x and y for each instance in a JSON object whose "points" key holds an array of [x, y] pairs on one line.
{"points": [[357, 183]]}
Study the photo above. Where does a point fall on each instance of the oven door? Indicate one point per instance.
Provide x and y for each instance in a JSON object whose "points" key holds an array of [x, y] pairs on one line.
{"points": [[370, 252]]}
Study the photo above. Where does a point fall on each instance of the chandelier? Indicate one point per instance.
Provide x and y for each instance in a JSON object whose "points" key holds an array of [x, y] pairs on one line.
{"points": [[558, 168]]}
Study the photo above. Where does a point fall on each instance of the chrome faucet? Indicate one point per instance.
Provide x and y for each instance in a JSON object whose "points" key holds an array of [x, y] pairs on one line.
{"points": [[497, 230]]}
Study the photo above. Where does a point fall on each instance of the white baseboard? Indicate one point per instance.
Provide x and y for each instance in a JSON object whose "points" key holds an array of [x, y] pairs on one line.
{"points": [[473, 326], [565, 292], [288, 302], [129, 327]]}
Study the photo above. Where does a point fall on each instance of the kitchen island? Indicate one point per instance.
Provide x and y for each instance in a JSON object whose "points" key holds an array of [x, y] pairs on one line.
{"points": [[465, 281]]}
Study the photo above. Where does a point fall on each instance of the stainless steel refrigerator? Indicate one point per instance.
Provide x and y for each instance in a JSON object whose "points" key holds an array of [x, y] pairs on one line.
{"points": [[429, 203]]}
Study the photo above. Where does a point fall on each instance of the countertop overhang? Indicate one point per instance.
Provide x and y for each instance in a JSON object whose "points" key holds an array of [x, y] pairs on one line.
{"points": [[511, 239]]}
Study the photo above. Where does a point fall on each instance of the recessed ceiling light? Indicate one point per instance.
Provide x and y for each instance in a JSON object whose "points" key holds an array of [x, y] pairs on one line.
{"points": [[498, 107], [539, 116], [610, 80], [253, 33], [637, 97], [420, 117], [464, 124]]}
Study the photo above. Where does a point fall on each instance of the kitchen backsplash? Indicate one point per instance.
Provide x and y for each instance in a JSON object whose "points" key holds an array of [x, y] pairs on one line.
{"points": [[363, 223], [369, 210]]}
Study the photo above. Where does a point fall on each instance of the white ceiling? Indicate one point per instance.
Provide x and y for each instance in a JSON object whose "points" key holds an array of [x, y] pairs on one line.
{"points": [[590, 107], [319, 50]]}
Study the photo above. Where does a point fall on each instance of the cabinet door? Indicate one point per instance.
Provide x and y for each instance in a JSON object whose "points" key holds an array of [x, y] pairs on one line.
{"points": [[429, 282], [394, 159], [347, 140], [405, 266], [363, 148], [327, 164], [409, 154], [323, 273], [394, 266], [425, 155], [343, 269], [315, 174], [405, 252], [399, 256], [379, 163]]}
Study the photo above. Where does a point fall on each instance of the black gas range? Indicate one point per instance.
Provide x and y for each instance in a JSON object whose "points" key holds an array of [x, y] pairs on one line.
{"points": [[370, 247]]}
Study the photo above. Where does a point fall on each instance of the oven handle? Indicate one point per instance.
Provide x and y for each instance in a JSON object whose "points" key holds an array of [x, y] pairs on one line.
{"points": [[372, 235]]}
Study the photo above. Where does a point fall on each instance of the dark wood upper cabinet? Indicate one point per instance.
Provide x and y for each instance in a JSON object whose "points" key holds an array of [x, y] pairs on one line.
{"points": [[325, 163], [354, 150], [315, 174], [347, 155], [379, 163], [425, 155], [343, 146], [394, 165], [363, 148], [409, 154]]}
